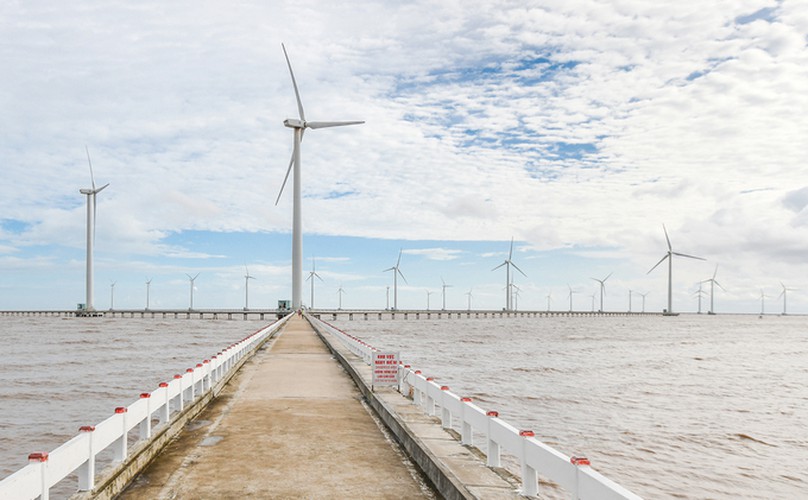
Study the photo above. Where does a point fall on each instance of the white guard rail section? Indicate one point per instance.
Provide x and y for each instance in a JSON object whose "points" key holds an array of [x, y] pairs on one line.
{"points": [[78, 455], [574, 474]]}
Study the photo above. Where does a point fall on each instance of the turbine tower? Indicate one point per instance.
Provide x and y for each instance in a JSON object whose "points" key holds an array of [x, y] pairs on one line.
{"points": [[669, 255], [470, 296], [428, 293], [516, 292], [192, 279], [570, 295], [148, 287], [396, 272], [700, 293], [508, 263], [299, 125], [313, 274], [340, 292], [784, 295], [112, 296], [643, 300], [762, 302], [602, 290], [443, 292], [91, 212], [247, 278], [712, 283]]}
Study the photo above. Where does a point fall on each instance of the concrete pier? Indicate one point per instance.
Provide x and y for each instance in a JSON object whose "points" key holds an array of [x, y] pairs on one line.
{"points": [[290, 425]]}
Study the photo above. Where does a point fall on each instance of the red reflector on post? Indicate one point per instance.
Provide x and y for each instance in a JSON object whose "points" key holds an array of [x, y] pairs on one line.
{"points": [[144, 395], [528, 434], [87, 428], [39, 456], [417, 372], [430, 379], [579, 461], [121, 409], [492, 413], [189, 370], [407, 366], [163, 384], [199, 365], [465, 400], [444, 387], [206, 361], [177, 376]]}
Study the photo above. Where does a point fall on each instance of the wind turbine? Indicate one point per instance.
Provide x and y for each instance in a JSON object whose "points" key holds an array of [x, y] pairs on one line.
{"points": [[91, 212], [388, 299], [669, 255], [192, 279], [508, 263], [299, 125], [340, 292], [630, 291], [593, 302], [247, 278], [700, 293], [762, 302], [443, 292], [396, 272], [784, 295], [313, 274], [112, 296], [516, 292], [570, 295], [470, 296], [148, 286], [712, 283], [602, 289], [643, 300], [428, 293], [549, 299]]}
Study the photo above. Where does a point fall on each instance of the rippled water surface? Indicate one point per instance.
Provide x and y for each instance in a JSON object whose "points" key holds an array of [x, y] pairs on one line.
{"points": [[684, 407], [58, 374]]}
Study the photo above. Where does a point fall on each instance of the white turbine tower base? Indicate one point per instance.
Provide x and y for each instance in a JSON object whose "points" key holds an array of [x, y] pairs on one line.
{"points": [[299, 125], [91, 212]]}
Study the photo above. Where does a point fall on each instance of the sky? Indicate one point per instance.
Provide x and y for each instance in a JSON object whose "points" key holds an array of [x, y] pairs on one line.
{"points": [[577, 128]]}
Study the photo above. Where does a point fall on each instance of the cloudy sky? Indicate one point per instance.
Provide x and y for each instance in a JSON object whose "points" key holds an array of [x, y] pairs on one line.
{"points": [[576, 127]]}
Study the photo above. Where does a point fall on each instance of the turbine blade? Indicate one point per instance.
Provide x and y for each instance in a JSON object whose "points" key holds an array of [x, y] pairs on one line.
{"points": [[92, 178], [318, 277], [101, 188], [607, 277], [399, 257], [715, 272], [500, 266], [517, 268], [719, 285], [658, 263], [294, 84], [402, 275], [666, 237], [288, 170], [316, 125], [510, 253], [688, 256], [390, 269]]}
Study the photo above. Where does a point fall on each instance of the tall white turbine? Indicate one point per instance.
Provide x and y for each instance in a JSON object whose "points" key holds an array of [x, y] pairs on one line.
{"points": [[549, 299], [570, 295], [148, 289], [444, 286], [643, 300], [340, 292], [593, 301], [700, 293], [388, 299], [508, 263], [629, 299], [91, 212], [784, 294], [396, 272], [313, 274], [247, 278], [112, 296], [299, 125], [428, 293], [470, 296], [192, 279], [602, 289], [516, 292], [762, 302], [712, 281], [669, 255]]}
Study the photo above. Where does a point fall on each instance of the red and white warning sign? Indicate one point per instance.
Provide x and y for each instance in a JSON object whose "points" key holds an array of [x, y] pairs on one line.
{"points": [[385, 368]]}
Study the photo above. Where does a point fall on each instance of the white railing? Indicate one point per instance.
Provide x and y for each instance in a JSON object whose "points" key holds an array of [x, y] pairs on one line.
{"points": [[574, 474], [78, 455]]}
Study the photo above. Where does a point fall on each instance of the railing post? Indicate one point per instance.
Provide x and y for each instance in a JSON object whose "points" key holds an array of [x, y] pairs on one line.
{"points": [[417, 396], [493, 447], [430, 401], [41, 458], [145, 424], [578, 462], [120, 446], [180, 396], [445, 414], [192, 387], [165, 411], [530, 479], [86, 471], [466, 434]]}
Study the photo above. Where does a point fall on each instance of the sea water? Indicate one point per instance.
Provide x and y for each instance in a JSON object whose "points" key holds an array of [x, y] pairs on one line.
{"points": [[693, 406], [670, 407]]}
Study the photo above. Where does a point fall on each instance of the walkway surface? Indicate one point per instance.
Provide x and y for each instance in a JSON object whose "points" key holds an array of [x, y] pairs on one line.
{"points": [[290, 425]]}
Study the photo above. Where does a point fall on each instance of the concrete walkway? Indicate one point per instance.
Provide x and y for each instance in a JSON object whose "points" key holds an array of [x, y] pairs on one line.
{"points": [[290, 425]]}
